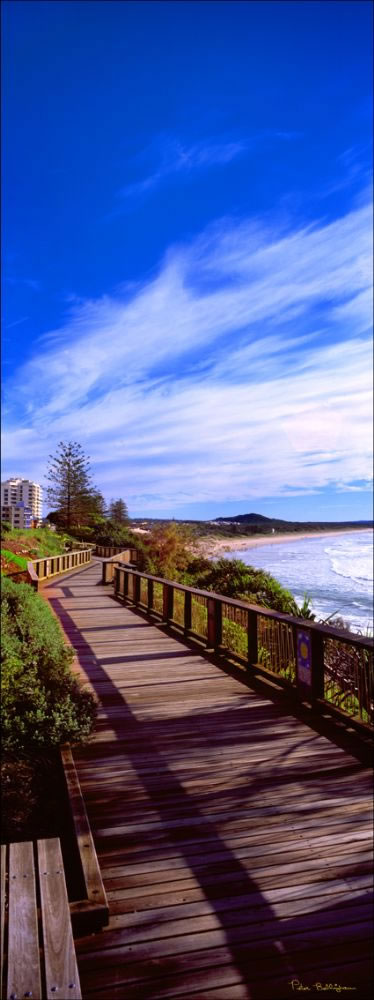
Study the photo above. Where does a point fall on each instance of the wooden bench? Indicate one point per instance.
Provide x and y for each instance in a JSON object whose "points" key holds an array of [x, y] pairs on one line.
{"points": [[37, 949]]}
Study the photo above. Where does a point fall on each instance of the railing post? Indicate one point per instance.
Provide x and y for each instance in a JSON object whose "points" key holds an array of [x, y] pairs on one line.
{"points": [[318, 671], [168, 601], [136, 589], [214, 622], [150, 594], [252, 638], [187, 611], [117, 583]]}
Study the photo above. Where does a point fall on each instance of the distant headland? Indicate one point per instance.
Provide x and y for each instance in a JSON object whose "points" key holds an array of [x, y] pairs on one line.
{"points": [[246, 531]]}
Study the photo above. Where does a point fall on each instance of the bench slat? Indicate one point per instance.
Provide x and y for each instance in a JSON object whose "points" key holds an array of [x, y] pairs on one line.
{"points": [[3, 872], [59, 952], [23, 946]]}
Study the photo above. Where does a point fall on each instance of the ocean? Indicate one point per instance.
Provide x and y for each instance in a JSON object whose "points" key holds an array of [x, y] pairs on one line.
{"points": [[336, 571]]}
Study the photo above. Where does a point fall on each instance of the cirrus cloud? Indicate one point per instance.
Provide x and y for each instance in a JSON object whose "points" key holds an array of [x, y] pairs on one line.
{"points": [[241, 370]]}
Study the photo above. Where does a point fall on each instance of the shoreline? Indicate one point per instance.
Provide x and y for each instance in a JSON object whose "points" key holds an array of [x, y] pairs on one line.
{"points": [[209, 547]]}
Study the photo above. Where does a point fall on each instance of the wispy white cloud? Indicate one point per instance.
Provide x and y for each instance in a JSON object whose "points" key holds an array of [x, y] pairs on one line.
{"points": [[16, 322], [171, 157], [13, 279], [174, 157], [218, 378]]}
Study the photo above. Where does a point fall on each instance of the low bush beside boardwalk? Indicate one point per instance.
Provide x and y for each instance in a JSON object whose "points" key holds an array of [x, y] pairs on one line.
{"points": [[43, 704]]}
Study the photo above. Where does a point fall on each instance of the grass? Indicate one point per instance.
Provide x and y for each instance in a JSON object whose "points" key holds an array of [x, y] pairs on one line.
{"points": [[34, 543], [13, 558]]}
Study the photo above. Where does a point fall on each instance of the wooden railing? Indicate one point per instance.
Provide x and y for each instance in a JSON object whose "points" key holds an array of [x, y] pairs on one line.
{"points": [[108, 565], [109, 551], [42, 569], [323, 665]]}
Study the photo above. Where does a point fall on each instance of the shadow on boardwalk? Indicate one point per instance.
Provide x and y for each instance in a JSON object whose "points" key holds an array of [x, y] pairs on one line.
{"points": [[249, 949]]}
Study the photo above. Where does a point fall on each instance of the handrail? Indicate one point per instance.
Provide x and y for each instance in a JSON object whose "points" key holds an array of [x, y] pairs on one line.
{"points": [[109, 563], [328, 630], [111, 551], [32, 575], [59, 555], [42, 569], [321, 663]]}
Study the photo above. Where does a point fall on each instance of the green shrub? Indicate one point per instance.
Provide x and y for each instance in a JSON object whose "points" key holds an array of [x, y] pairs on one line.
{"points": [[233, 578], [112, 533], [85, 533], [43, 704], [121, 536], [166, 551], [234, 637]]}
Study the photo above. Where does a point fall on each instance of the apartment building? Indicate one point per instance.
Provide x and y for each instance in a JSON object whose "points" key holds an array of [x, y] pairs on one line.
{"points": [[18, 516], [22, 491]]}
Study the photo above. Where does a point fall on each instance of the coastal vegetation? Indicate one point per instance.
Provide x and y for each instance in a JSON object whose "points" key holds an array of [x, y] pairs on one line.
{"points": [[270, 524], [19, 546], [234, 578], [43, 704], [250, 525]]}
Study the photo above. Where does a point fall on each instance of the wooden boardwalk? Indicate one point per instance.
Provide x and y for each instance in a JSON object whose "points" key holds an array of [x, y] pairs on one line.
{"points": [[234, 840]]}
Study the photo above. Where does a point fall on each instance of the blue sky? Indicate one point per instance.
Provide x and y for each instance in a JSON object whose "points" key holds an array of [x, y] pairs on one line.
{"points": [[187, 251]]}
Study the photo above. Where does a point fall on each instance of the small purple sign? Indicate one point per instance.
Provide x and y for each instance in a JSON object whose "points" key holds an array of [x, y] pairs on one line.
{"points": [[304, 657]]}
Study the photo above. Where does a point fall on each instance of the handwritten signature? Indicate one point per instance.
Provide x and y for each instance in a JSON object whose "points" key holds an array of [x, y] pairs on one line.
{"points": [[320, 987]]}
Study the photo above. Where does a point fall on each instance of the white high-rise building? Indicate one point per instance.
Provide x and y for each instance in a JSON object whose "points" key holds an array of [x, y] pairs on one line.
{"points": [[14, 491]]}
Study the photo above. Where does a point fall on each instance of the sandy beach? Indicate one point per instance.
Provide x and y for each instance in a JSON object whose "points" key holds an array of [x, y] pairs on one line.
{"points": [[209, 547]]}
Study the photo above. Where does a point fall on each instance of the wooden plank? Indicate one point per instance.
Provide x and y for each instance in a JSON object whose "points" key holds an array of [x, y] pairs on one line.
{"points": [[178, 867], [23, 976], [61, 968], [127, 863], [3, 895], [259, 924], [216, 884], [257, 940], [296, 890], [269, 906]]}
